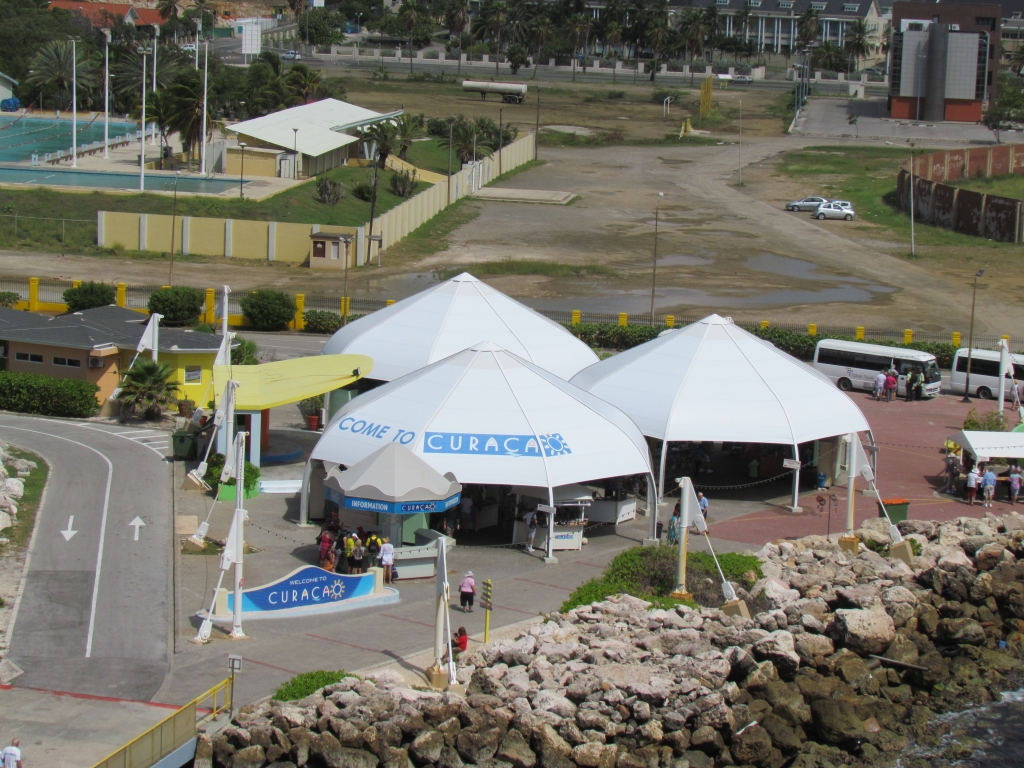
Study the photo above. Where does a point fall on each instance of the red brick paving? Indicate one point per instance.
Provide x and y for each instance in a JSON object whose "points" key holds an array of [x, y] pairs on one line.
{"points": [[910, 465]]}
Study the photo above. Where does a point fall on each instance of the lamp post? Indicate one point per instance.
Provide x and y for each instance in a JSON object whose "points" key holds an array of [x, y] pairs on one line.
{"points": [[654, 261], [913, 160], [199, 31], [74, 101], [156, 43], [501, 133], [174, 221], [740, 161], [106, 95], [142, 122], [295, 155], [241, 172], [970, 338], [206, 73]]}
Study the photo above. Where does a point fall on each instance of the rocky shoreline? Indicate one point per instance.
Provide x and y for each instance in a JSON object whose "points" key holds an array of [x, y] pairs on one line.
{"points": [[852, 662]]}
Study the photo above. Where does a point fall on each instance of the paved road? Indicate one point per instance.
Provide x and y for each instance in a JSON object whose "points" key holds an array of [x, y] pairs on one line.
{"points": [[94, 616]]}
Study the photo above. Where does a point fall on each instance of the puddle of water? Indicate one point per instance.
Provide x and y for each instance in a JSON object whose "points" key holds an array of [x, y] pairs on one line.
{"points": [[681, 260], [785, 266]]}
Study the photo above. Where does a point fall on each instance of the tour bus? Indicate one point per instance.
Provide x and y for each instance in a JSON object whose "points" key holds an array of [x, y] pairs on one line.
{"points": [[984, 373], [854, 365]]}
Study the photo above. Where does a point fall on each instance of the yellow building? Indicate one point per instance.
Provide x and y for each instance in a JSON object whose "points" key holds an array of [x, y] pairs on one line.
{"points": [[98, 345]]}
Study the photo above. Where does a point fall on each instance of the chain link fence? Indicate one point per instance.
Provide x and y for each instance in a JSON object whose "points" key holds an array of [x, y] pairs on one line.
{"points": [[18, 231]]}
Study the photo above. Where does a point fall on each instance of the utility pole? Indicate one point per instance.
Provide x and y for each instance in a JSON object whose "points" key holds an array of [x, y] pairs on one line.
{"points": [[451, 121], [970, 338], [206, 79], [74, 101], [174, 221], [156, 44], [740, 165], [142, 144], [501, 136], [106, 95], [654, 261], [536, 132]]}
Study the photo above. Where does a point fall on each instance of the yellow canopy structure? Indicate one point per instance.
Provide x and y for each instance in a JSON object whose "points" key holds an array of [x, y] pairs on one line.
{"points": [[288, 381]]}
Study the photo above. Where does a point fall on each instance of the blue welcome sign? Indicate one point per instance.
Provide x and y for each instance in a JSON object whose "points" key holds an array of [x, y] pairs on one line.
{"points": [[309, 588], [391, 507], [476, 444]]}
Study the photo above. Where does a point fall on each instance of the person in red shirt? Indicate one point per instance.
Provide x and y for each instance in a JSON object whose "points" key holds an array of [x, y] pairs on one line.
{"points": [[460, 641]]}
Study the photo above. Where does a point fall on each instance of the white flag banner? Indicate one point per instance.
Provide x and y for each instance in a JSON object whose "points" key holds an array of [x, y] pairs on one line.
{"points": [[224, 353], [861, 465], [230, 553], [151, 336]]}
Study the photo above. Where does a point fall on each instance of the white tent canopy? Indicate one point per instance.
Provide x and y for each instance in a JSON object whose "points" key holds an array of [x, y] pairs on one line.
{"points": [[449, 317], [393, 473], [990, 445], [488, 416], [714, 381]]}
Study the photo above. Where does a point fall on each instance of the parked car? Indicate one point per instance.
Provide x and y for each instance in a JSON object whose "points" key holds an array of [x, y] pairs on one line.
{"points": [[807, 204], [291, 56], [844, 203], [190, 47], [833, 211], [742, 79]]}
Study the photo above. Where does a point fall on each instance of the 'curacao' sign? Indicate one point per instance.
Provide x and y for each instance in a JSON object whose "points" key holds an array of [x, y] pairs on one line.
{"points": [[307, 588]]}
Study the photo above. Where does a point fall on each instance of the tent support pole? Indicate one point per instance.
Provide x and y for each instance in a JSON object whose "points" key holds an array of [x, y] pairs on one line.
{"points": [[551, 527], [661, 469], [851, 482], [656, 497], [796, 482], [304, 494]]}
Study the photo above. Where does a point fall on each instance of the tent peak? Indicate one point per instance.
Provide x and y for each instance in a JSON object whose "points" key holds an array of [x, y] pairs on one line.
{"points": [[465, 277], [487, 346], [716, 320]]}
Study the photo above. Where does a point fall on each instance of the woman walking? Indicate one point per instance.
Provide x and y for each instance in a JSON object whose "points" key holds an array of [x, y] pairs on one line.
{"points": [[467, 591], [890, 387], [387, 558]]}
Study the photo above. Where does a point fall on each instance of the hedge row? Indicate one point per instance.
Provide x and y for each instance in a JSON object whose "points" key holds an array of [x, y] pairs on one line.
{"points": [[46, 395], [799, 345]]}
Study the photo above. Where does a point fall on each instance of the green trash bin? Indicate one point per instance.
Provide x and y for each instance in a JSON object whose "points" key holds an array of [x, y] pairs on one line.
{"points": [[897, 509], [184, 445]]}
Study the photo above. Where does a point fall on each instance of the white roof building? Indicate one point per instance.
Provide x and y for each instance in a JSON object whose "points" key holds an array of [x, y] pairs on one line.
{"points": [[449, 317], [488, 416]]}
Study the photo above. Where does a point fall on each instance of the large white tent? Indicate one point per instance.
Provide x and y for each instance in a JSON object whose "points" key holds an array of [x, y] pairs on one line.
{"points": [[990, 445], [714, 381], [490, 417], [449, 317]]}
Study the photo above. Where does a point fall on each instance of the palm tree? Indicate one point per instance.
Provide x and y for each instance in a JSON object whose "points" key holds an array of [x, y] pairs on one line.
{"points": [[186, 112], [267, 86], [807, 27], [159, 112], [146, 388], [467, 141], [127, 72], [613, 39], [657, 37], [410, 14], [578, 28], [1017, 59], [456, 16], [169, 9], [741, 21], [856, 45], [491, 23], [52, 68], [408, 130], [886, 37], [304, 82], [694, 29], [827, 55], [540, 32], [385, 134]]}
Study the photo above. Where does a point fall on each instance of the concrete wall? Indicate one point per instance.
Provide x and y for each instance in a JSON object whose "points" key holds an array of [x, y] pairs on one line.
{"points": [[971, 213]]}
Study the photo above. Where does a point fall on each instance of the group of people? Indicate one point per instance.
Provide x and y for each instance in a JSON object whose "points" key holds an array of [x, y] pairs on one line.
{"points": [[886, 383], [983, 477], [346, 552], [675, 523]]}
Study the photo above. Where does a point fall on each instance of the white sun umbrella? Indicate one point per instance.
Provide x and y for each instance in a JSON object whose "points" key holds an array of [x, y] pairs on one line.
{"points": [[713, 381], [490, 417], [447, 318]]}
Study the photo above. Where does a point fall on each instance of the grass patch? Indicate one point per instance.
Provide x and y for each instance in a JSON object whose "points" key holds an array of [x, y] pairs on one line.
{"points": [[19, 534], [527, 166], [528, 267], [617, 138], [307, 683], [433, 236], [650, 573], [1004, 186], [867, 177], [431, 156]]}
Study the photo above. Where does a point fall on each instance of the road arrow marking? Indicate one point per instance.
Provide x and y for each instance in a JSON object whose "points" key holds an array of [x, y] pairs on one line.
{"points": [[137, 523], [69, 532]]}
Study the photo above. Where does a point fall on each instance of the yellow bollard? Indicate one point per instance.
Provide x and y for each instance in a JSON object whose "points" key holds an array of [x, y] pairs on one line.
{"points": [[575, 317], [76, 283], [670, 321], [908, 336], [812, 329], [390, 302], [122, 295], [33, 294], [764, 325], [210, 315], [956, 339], [300, 307], [623, 318], [859, 333], [1004, 337]]}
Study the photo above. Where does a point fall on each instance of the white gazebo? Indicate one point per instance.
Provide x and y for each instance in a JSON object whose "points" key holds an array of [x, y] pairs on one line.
{"points": [[449, 317], [713, 381], [488, 416]]}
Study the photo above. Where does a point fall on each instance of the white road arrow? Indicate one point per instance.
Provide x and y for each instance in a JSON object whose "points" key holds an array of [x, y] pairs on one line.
{"points": [[69, 532], [137, 523]]}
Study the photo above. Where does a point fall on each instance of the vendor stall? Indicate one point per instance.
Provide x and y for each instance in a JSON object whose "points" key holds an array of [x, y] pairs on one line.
{"points": [[572, 504]]}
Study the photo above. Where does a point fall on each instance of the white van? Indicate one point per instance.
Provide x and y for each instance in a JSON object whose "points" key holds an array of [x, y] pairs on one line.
{"points": [[854, 365], [984, 373]]}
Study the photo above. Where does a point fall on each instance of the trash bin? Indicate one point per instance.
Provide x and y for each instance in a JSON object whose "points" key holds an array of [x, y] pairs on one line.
{"points": [[897, 509], [184, 444], [658, 529]]}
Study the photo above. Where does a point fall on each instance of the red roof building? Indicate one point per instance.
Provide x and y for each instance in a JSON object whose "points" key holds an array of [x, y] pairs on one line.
{"points": [[99, 14]]}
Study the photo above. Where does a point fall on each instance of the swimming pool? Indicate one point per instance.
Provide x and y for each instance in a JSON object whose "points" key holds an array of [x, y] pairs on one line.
{"points": [[49, 176], [21, 137]]}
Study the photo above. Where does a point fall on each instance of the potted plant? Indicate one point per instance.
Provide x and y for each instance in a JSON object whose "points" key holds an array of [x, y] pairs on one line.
{"points": [[311, 408], [186, 407]]}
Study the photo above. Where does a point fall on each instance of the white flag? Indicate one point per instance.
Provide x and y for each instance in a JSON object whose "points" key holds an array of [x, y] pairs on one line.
{"points": [[231, 546], [224, 353], [861, 465], [151, 336]]}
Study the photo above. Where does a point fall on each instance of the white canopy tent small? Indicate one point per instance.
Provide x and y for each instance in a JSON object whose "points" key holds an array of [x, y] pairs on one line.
{"points": [[990, 445], [449, 317], [713, 381], [490, 417]]}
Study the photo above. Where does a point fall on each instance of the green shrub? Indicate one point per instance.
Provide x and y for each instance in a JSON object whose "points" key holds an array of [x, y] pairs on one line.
{"points": [[311, 405], [179, 305], [317, 321], [268, 310], [306, 683], [992, 421], [8, 299], [612, 336], [246, 353], [89, 295], [363, 190], [402, 183], [215, 466], [47, 396]]}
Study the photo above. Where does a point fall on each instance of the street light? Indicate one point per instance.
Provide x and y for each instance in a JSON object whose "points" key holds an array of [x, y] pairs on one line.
{"points": [[156, 44], [295, 155], [501, 133], [74, 101], [241, 172], [654, 262], [206, 73], [106, 95], [174, 219], [142, 122], [970, 338]]}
